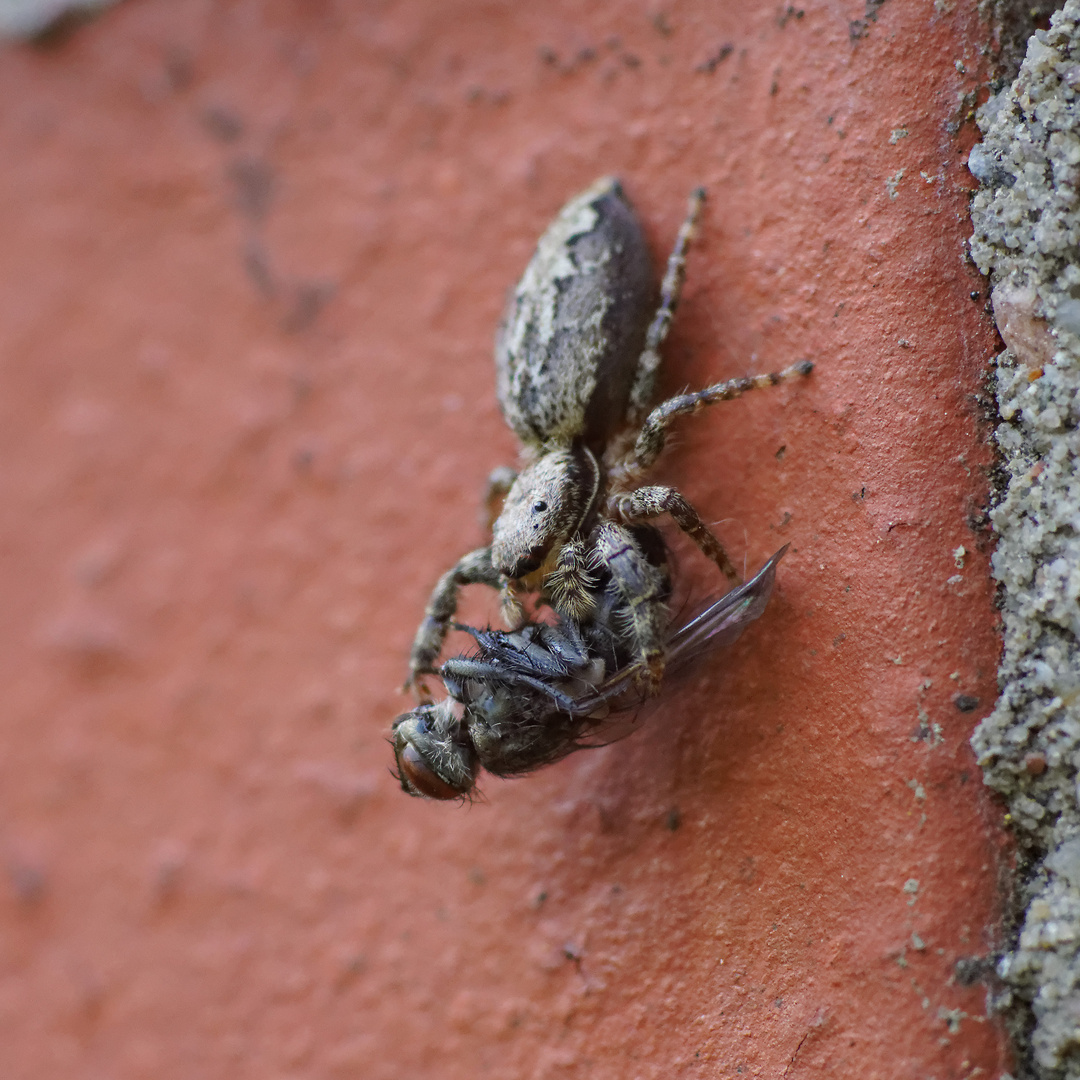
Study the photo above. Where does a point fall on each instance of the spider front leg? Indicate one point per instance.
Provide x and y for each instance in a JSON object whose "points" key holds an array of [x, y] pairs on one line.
{"points": [[474, 569], [653, 434], [651, 502], [642, 588]]}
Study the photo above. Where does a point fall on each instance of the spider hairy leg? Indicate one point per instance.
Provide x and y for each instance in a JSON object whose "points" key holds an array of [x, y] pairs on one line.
{"points": [[653, 434], [650, 502], [473, 569], [641, 392], [643, 588], [572, 584]]}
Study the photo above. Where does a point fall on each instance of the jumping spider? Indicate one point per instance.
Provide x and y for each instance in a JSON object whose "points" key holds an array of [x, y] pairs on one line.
{"points": [[576, 359], [526, 698]]}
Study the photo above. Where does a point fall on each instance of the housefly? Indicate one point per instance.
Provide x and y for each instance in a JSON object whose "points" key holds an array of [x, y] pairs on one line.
{"points": [[526, 698]]}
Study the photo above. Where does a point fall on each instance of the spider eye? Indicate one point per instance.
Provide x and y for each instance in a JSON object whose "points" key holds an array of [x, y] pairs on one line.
{"points": [[423, 778], [539, 507]]}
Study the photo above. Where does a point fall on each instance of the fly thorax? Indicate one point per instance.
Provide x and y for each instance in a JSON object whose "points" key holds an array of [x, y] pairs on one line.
{"points": [[491, 706], [549, 502]]}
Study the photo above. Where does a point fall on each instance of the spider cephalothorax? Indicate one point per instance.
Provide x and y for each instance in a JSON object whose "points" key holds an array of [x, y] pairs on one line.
{"points": [[576, 359], [549, 502]]}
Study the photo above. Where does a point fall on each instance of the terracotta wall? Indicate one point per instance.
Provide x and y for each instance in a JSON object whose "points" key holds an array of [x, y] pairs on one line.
{"points": [[253, 256]]}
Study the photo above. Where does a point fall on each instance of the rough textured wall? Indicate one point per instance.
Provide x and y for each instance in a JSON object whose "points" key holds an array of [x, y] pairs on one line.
{"points": [[1027, 229], [253, 257]]}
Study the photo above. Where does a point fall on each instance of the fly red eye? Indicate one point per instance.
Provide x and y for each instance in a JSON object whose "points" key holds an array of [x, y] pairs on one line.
{"points": [[423, 778]]}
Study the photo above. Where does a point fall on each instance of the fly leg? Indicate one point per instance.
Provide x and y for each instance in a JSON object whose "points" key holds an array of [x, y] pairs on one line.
{"points": [[461, 668]]}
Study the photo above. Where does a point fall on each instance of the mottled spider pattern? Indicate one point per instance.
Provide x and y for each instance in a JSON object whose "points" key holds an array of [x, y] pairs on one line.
{"points": [[528, 697], [576, 360]]}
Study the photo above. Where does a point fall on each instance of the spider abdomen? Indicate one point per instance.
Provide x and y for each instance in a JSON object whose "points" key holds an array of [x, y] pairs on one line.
{"points": [[566, 354]]}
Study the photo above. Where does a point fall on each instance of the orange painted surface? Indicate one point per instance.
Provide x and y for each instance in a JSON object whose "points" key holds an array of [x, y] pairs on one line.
{"points": [[253, 256]]}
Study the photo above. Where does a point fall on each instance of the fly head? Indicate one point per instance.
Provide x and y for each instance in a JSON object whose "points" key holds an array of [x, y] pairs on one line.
{"points": [[435, 758]]}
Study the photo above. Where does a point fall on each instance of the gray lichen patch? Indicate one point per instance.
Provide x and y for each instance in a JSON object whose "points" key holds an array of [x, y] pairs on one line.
{"points": [[1027, 238]]}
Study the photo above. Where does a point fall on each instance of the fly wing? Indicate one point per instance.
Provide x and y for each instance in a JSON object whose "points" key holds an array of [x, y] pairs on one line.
{"points": [[719, 625], [722, 622]]}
